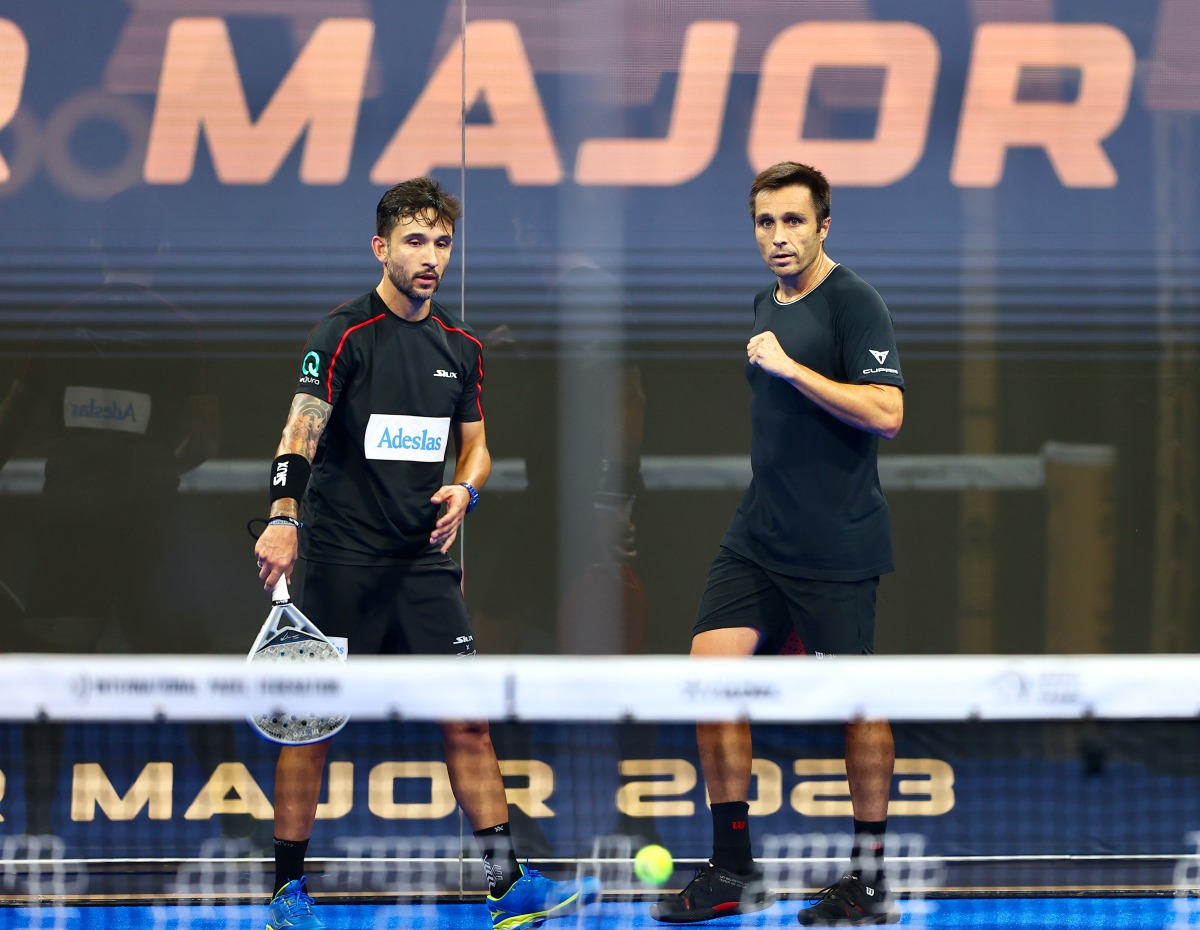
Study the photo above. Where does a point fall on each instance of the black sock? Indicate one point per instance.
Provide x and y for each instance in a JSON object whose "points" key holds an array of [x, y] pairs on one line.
{"points": [[499, 859], [731, 837], [866, 859], [289, 861]]}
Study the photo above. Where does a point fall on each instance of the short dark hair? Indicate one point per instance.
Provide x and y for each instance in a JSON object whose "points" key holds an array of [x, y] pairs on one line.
{"points": [[410, 199], [789, 174]]}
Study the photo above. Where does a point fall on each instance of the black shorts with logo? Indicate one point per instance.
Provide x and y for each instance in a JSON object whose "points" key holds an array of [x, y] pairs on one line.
{"points": [[795, 615], [413, 609]]}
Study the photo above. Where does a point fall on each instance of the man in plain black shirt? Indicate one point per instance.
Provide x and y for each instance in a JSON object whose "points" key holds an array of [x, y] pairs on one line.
{"points": [[798, 569]]}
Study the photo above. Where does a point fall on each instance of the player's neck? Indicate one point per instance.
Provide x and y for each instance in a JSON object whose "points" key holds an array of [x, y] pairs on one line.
{"points": [[793, 288], [402, 305]]}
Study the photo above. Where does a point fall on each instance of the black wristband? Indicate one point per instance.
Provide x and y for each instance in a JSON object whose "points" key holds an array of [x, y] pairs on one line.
{"points": [[289, 477]]}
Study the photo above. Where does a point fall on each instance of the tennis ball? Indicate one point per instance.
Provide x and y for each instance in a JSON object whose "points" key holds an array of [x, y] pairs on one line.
{"points": [[653, 864]]}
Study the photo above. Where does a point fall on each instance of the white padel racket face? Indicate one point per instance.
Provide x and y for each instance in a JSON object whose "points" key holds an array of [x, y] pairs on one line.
{"points": [[296, 645], [289, 636]]}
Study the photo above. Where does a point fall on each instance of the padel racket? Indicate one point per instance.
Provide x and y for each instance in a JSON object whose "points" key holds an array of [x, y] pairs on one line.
{"points": [[289, 636]]}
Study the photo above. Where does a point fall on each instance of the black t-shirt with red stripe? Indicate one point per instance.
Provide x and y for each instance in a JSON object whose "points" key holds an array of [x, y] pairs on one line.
{"points": [[814, 508], [396, 387]]}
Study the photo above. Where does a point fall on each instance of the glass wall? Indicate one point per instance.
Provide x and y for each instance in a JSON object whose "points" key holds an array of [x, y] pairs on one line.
{"points": [[185, 193]]}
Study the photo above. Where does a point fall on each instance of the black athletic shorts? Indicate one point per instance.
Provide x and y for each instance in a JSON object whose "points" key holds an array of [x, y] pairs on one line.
{"points": [[795, 615], [389, 609]]}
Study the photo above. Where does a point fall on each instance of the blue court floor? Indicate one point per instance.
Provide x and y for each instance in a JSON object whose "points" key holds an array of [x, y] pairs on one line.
{"points": [[985, 914]]}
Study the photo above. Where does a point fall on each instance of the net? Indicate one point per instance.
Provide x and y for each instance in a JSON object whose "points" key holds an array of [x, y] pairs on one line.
{"points": [[137, 781]]}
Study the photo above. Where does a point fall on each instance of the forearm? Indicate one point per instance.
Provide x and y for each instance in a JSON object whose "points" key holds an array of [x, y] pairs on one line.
{"points": [[873, 408], [295, 441], [301, 434], [474, 466], [285, 507], [291, 443]]}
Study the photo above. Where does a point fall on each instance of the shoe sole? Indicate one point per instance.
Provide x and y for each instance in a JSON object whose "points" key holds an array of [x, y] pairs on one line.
{"points": [[537, 918], [709, 913], [520, 922], [872, 920], [271, 926]]}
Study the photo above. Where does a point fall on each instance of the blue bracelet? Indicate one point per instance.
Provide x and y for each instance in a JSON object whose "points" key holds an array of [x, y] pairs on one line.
{"points": [[471, 491]]}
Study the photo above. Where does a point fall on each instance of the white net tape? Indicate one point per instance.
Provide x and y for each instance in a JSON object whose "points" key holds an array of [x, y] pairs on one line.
{"points": [[572, 688]]}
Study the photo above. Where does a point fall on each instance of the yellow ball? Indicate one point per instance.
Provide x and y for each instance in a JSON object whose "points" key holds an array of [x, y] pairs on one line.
{"points": [[653, 865]]}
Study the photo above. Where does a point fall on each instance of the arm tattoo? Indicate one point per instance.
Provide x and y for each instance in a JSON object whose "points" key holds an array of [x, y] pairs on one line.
{"points": [[306, 421]]}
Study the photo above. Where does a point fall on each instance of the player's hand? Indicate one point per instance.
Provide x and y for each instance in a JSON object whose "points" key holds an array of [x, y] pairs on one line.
{"points": [[445, 531], [276, 552], [765, 352]]}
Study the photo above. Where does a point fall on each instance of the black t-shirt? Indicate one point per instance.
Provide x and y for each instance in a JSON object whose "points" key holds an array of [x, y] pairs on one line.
{"points": [[814, 508], [395, 388]]}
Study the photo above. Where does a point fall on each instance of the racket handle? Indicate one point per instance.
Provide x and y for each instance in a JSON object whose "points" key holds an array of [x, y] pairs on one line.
{"points": [[279, 593]]}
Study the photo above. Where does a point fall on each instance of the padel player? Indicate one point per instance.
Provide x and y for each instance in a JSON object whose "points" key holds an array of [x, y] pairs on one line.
{"points": [[387, 381], [798, 569]]}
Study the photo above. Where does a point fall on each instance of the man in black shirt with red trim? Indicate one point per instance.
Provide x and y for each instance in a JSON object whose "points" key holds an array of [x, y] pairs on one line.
{"points": [[798, 569], [357, 489]]}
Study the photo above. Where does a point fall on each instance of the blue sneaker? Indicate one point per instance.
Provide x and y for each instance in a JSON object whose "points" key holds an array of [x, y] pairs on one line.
{"points": [[533, 899], [292, 908]]}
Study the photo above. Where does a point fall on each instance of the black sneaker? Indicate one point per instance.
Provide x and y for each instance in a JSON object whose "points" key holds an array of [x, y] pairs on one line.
{"points": [[850, 903], [713, 893]]}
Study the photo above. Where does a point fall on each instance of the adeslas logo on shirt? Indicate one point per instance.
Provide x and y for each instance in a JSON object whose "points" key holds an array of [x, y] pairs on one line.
{"points": [[400, 440], [405, 438]]}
